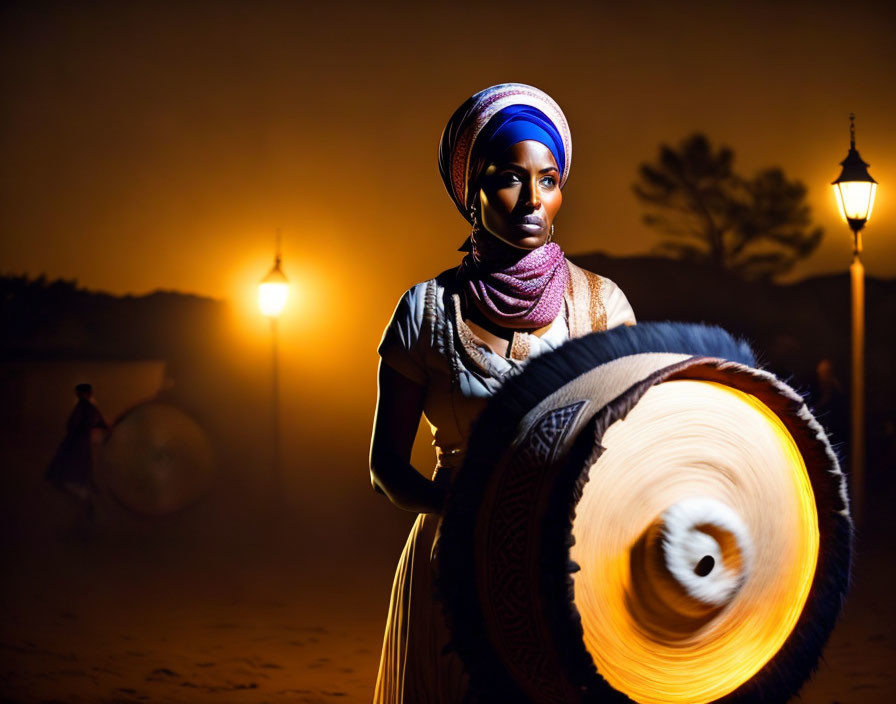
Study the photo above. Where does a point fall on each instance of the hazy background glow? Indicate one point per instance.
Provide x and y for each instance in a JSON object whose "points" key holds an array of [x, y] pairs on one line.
{"points": [[152, 146], [149, 146]]}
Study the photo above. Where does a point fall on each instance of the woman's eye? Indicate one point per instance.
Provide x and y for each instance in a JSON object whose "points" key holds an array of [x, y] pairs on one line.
{"points": [[509, 177], [549, 181]]}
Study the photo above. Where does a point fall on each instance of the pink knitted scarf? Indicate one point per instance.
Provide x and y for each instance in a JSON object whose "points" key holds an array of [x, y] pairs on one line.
{"points": [[514, 288]]}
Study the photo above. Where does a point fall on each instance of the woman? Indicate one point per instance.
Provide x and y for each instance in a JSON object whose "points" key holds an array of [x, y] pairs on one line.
{"points": [[453, 340]]}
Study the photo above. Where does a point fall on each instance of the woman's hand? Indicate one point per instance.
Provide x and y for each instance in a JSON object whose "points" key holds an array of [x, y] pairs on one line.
{"points": [[398, 410]]}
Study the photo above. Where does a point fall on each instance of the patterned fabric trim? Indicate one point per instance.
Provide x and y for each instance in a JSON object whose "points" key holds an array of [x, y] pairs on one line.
{"points": [[597, 312], [578, 323], [519, 348], [587, 312], [469, 340], [430, 322], [445, 338], [508, 537]]}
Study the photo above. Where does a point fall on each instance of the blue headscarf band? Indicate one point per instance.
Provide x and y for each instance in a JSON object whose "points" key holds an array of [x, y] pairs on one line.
{"points": [[518, 123]]}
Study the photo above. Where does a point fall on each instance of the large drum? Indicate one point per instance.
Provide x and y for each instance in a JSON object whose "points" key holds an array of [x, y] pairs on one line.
{"points": [[643, 515], [157, 459]]}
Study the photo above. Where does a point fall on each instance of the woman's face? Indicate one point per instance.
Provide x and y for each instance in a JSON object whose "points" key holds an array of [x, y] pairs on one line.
{"points": [[520, 195]]}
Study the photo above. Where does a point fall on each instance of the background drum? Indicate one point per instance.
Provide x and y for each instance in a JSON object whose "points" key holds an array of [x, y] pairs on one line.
{"points": [[645, 516], [156, 459]]}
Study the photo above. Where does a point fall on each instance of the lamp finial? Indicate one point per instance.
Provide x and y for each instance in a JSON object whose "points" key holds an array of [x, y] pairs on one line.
{"points": [[852, 130]]}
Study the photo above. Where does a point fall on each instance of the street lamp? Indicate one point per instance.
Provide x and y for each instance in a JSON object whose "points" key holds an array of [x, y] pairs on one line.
{"points": [[272, 294], [273, 290], [855, 190]]}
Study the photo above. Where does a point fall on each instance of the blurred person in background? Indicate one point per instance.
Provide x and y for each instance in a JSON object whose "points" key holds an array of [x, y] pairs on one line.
{"points": [[71, 470]]}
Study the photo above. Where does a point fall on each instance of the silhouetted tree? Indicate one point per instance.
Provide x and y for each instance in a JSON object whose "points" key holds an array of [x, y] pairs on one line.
{"points": [[756, 228]]}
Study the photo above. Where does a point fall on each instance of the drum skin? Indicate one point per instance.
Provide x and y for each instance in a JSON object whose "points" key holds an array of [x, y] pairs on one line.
{"points": [[522, 611], [157, 459]]}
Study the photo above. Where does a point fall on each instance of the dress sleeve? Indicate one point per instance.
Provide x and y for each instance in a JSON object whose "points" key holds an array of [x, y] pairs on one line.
{"points": [[402, 347], [619, 312]]}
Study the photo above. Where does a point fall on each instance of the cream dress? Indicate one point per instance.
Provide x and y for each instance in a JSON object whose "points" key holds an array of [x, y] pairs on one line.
{"points": [[428, 342]]}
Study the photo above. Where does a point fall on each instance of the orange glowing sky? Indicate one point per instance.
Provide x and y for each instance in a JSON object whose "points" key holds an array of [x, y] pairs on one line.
{"points": [[152, 145]]}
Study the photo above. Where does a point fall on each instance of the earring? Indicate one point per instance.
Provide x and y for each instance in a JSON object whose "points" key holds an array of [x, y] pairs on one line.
{"points": [[474, 245], [551, 233], [474, 219]]}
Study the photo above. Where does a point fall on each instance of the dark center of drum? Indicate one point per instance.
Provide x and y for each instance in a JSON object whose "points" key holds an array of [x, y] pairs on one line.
{"points": [[704, 567]]}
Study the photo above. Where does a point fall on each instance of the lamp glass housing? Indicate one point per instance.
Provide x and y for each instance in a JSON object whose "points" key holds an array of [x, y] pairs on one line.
{"points": [[273, 292], [855, 199]]}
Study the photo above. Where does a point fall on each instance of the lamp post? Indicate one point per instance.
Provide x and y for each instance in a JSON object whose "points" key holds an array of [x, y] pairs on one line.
{"points": [[272, 294], [855, 189]]}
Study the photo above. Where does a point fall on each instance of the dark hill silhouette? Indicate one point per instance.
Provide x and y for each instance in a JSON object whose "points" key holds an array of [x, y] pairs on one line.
{"points": [[44, 320]]}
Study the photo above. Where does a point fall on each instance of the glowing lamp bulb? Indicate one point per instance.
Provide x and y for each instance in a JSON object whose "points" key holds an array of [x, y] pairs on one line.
{"points": [[855, 199], [273, 292]]}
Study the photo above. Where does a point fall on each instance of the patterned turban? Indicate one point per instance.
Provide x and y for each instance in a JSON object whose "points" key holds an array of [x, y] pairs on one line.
{"points": [[494, 119]]}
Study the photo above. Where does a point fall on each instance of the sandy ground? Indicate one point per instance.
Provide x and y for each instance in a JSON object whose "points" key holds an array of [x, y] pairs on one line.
{"points": [[177, 643], [107, 625], [211, 605], [109, 613]]}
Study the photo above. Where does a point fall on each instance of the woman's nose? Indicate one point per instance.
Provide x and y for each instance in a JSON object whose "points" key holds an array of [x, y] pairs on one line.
{"points": [[533, 199]]}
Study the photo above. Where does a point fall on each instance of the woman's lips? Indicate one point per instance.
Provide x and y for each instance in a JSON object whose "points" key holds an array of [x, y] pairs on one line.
{"points": [[531, 222]]}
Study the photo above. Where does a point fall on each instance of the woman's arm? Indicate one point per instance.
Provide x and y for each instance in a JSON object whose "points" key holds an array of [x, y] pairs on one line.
{"points": [[398, 409]]}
